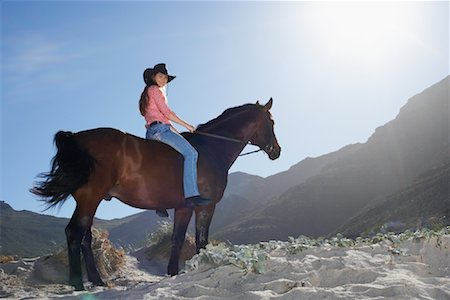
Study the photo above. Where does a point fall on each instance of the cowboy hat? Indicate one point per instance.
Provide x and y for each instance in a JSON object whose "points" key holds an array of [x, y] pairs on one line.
{"points": [[158, 68]]}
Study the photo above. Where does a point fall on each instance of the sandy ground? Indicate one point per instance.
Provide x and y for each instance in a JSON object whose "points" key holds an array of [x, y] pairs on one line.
{"points": [[417, 268]]}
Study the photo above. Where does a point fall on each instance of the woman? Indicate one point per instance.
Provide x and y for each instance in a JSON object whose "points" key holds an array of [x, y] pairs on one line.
{"points": [[154, 107]]}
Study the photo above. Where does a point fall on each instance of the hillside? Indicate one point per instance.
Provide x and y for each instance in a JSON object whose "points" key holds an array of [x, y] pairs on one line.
{"points": [[133, 233], [255, 192], [416, 141], [26, 233], [424, 203]]}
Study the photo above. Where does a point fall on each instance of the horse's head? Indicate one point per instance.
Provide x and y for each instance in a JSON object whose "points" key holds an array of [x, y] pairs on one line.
{"points": [[264, 136]]}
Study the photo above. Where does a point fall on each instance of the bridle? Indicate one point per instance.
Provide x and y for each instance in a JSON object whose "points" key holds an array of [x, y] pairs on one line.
{"points": [[268, 148], [221, 137]]}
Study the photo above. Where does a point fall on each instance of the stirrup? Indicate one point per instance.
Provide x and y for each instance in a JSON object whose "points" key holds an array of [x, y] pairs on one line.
{"points": [[197, 201]]}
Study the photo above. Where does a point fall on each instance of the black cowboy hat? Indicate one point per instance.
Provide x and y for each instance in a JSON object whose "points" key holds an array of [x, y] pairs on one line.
{"points": [[158, 68]]}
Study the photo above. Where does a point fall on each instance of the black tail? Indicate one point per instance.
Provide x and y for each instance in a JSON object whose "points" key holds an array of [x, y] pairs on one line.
{"points": [[71, 168]]}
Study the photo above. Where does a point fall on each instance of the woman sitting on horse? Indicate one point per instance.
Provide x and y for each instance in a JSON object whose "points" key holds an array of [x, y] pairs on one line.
{"points": [[158, 116]]}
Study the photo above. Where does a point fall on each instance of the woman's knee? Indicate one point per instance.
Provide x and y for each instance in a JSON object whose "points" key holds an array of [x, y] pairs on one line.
{"points": [[180, 144], [191, 153]]}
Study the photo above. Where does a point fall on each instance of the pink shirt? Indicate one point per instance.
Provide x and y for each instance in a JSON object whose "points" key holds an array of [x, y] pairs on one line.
{"points": [[157, 108]]}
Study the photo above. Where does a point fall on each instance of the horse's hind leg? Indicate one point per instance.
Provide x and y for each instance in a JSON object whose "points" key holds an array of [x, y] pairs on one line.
{"points": [[91, 268], [74, 235], [75, 231], [203, 217]]}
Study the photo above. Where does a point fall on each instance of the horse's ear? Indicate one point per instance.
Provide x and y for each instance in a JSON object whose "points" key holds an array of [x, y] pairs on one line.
{"points": [[257, 103], [268, 105]]}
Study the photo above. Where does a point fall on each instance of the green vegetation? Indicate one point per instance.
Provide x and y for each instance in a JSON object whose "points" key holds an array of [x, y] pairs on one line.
{"points": [[251, 258]]}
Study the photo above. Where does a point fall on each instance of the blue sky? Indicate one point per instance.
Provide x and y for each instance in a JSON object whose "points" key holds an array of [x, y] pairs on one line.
{"points": [[336, 71]]}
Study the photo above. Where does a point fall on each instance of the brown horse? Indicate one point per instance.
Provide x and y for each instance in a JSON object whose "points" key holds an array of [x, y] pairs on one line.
{"points": [[102, 163]]}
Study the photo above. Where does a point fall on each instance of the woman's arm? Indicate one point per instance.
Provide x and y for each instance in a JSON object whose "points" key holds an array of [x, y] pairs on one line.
{"points": [[174, 118], [156, 95]]}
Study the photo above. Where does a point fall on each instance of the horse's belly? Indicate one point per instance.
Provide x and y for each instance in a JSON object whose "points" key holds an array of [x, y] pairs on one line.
{"points": [[149, 195]]}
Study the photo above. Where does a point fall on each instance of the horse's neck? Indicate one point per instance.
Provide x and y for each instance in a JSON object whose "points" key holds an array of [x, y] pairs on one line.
{"points": [[235, 126], [239, 126]]}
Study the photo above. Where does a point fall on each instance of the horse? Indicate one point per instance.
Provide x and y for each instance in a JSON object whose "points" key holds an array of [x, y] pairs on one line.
{"points": [[102, 163]]}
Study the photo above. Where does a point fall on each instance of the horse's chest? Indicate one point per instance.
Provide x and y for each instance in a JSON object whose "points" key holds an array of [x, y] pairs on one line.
{"points": [[211, 184]]}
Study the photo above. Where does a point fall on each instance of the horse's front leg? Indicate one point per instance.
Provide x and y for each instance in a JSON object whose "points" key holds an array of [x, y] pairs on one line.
{"points": [[182, 217], [203, 217]]}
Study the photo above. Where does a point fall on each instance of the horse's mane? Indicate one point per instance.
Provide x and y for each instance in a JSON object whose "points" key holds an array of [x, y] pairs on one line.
{"points": [[225, 115]]}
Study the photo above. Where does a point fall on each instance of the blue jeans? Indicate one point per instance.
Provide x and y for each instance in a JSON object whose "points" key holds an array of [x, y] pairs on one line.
{"points": [[164, 133]]}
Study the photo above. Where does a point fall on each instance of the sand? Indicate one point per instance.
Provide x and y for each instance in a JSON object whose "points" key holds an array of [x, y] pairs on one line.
{"points": [[417, 267]]}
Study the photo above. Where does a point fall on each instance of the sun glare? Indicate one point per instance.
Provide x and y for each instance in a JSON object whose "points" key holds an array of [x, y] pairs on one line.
{"points": [[368, 33]]}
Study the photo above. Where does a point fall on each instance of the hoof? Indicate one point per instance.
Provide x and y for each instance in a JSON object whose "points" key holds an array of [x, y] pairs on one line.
{"points": [[99, 283], [172, 272], [78, 287]]}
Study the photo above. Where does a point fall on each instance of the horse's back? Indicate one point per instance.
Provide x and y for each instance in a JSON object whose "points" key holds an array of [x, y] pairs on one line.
{"points": [[102, 134], [110, 145], [144, 173], [140, 172]]}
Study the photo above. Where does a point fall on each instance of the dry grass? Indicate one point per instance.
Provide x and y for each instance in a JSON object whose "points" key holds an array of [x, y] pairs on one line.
{"points": [[108, 258], [7, 258], [54, 268], [160, 244]]}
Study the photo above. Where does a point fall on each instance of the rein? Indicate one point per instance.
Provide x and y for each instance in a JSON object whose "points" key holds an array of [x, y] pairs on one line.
{"points": [[228, 139], [247, 153]]}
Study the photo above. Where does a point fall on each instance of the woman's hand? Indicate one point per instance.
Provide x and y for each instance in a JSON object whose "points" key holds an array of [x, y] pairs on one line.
{"points": [[190, 127], [173, 117]]}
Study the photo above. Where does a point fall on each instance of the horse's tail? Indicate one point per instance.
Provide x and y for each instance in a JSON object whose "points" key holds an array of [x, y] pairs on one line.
{"points": [[71, 167]]}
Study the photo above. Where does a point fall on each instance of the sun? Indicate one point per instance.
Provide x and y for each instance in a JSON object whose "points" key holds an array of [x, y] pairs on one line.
{"points": [[368, 33]]}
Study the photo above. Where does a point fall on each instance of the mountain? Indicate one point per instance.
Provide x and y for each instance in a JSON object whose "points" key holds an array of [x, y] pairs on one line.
{"points": [[246, 193], [239, 182], [426, 202], [133, 233], [261, 190], [416, 141], [26, 233], [238, 194]]}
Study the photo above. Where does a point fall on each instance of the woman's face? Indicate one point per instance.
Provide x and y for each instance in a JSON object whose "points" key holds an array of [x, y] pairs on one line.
{"points": [[160, 79]]}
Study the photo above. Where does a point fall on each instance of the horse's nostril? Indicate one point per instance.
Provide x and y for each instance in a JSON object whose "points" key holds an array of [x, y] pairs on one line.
{"points": [[269, 148]]}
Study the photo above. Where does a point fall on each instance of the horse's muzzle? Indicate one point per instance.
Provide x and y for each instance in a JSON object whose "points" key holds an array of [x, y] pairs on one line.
{"points": [[273, 152]]}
